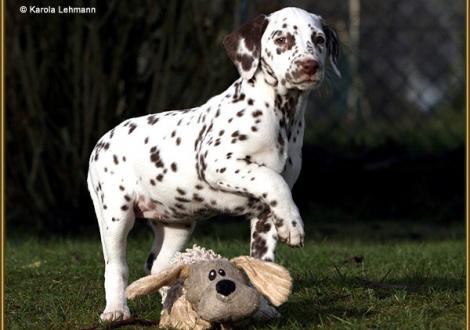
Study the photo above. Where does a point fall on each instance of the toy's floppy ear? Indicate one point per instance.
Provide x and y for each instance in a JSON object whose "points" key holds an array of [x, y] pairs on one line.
{"points": [[271, 280], [243, 46], [152, 283]]}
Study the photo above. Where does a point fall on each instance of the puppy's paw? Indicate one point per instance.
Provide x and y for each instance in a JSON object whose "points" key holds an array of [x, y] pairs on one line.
{"points": [[291, 233], [115, 314]]}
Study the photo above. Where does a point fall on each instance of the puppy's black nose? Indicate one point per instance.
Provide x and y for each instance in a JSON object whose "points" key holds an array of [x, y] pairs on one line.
{"points": [[225, 287]]}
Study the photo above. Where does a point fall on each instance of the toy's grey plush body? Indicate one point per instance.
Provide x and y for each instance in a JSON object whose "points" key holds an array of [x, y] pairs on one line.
{"points": [[207, 289]]}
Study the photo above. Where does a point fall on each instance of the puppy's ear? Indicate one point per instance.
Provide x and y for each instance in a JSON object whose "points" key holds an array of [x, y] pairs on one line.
{"points": [[243, 46], [332, 46], [271, 280], [152, 283]]}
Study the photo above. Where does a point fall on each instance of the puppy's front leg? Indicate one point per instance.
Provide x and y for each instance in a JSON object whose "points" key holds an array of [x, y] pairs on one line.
{"points": [[267, 186]]}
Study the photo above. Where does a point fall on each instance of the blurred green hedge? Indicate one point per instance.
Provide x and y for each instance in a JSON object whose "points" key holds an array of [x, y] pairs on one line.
{"points": [[71, 78]]}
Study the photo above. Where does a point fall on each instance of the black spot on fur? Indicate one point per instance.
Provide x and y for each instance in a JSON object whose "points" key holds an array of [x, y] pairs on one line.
{"points": [[257, 113], [132, 127], [152, 119], [182, 200], [198, 198]]}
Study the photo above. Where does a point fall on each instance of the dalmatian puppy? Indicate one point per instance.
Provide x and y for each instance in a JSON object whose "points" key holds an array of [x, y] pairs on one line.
{"points": [[239, 153]]}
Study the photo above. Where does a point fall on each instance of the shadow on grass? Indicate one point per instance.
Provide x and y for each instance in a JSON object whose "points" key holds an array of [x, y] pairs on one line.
{"points": [[339, 299], [333, 307]]}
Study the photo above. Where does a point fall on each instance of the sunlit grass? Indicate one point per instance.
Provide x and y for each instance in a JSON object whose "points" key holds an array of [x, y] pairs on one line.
{"points": [[345, 277]]}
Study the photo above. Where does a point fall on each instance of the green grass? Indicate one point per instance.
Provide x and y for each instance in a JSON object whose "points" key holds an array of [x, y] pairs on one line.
{"points": [[391, 275]]}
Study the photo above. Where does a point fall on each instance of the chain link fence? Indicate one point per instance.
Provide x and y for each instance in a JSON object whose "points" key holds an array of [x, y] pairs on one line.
{"points": [[70, 79], [403, 71]]}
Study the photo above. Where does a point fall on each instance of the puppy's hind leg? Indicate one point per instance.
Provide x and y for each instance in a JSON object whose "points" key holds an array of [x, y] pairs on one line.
{"points": [[168, 239], [115, 220]]}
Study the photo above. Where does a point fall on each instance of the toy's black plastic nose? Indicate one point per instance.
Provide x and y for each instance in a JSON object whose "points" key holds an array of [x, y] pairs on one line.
{"points": [[225, 287]]}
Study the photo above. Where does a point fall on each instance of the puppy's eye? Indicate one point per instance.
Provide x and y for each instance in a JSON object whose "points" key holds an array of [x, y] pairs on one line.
{"points": [[280, 41], [212, 274], [319, 40], [221, 272]]}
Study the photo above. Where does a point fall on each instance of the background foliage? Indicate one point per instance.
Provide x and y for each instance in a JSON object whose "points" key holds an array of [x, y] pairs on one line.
{"points": [[386, 140]]}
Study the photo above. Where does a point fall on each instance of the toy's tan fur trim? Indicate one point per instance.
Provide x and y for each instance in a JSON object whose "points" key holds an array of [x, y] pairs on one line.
{"points": [[152, 283], [182, 316], [270, 279]]}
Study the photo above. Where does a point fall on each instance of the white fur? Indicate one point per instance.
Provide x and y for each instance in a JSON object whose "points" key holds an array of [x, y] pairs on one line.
{"points": [[153, 165]]}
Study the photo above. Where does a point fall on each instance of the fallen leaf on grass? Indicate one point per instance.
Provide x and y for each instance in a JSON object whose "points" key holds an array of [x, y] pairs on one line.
{"points": [[35, 264]]}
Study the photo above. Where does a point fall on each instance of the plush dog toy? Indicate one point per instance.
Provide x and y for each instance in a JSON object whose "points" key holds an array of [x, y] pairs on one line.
{"points": [[204, 289]]}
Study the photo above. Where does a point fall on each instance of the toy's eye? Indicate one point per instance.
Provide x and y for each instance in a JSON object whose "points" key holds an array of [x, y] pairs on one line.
{"points": [[222, 272], [212, 274], [280, 41], [319, 40]]}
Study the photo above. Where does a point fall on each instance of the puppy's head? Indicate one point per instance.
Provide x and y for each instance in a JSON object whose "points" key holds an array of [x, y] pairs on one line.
{"points": [[290, 45]]}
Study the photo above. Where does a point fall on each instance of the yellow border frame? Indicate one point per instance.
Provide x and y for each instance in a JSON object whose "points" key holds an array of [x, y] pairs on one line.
{"points": [[467, 172], [2, 167]]}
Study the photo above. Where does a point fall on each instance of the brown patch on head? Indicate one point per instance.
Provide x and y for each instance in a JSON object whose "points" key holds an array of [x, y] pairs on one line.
{"points": [[246, 61], [290, 42], [250, 34]]}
